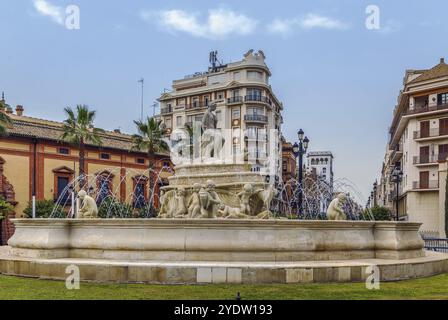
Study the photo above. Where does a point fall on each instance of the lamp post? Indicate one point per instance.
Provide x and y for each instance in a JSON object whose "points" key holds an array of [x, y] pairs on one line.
{"points": [[397, 176], [375, 187], [299, 150]]}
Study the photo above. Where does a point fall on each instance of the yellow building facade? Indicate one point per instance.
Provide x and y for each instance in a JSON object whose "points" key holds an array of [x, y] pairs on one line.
{"points": [[33, 161]]}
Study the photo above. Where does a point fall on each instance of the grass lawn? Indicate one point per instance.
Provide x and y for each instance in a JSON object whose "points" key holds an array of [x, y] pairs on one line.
{"points": [[23, 288]]}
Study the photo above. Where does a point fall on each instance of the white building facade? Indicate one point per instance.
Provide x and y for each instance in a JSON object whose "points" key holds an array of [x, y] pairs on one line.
{"points": [[322, 162], [245, 105], [418, 145]]}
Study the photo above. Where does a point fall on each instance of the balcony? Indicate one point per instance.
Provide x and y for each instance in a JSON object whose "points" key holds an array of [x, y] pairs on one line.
{"points": [[397, 153], [257, 98], [430, 159], [425, 185], [259, 137], [166, 110], [435, 132], [235, 100], [196, 105], [426, 159], [256, 118], [425, 108]]}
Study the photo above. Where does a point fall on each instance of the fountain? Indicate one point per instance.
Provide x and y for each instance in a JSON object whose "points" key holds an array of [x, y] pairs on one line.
{"points": [[219, 221]]}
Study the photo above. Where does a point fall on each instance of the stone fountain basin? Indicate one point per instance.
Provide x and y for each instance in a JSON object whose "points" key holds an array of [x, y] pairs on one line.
{"points": [[215, 240]]}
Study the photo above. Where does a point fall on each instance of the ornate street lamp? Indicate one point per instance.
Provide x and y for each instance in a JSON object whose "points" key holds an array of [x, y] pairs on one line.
{"points": [[299, 150], [375, 187]]}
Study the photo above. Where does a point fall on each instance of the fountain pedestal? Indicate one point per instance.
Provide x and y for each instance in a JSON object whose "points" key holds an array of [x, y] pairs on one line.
{"points": [[218, 251]]}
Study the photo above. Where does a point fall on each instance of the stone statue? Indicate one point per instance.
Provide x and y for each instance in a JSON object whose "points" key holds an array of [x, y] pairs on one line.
{"points": [[209, 200], [209, 120], [227, 212], [336, 208], [180, 209], [244, 196], [194, 204], [212, 139], [266, 195], [89, 209]]}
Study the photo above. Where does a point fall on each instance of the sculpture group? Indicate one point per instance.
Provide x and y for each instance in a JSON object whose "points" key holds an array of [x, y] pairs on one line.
{"points": [[232, 199], [208, 202]]}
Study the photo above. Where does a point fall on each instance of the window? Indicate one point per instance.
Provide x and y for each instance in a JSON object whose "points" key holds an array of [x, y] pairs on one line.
{"points": [[206, 100], [167, 123], [179, 121], [105, 156], [140, 160], [235, 113], [324, 170], [255, 111], [195, 102], [140, 192], [104, 187], [442, 98], [219, 95], [285, 165], [64, 151], [254, 75], [254, 93], [237, 76], [62, 194]]}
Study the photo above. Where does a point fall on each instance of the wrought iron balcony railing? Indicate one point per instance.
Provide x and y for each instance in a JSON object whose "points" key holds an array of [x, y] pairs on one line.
{"points": [[255, 118], [429, 184]]}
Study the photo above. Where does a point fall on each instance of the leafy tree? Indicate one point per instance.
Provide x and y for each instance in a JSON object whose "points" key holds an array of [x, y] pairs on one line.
{"points": [[44, 209], [378, 213], [150, 139], [5, 122], [78, 129], [112, 208], [5, 208]]}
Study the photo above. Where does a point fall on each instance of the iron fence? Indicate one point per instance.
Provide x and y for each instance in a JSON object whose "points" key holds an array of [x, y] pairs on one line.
{"points": [[436, 244]]}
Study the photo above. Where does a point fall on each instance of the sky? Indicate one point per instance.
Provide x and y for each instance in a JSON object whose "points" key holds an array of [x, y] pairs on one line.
{"points": [[337, 66]]}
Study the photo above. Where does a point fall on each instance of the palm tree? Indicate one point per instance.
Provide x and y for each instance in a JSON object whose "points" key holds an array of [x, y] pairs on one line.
{"points": [[78, 130], [150, 139], [5, 122]]}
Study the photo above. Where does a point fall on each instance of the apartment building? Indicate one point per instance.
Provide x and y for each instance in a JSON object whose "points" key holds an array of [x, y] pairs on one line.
{"points": [[419, 147], [245, 104], [384, 188], [322, 162]]}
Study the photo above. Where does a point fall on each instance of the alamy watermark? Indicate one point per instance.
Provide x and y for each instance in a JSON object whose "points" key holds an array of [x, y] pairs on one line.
{"points": [[373, 20], [72, 282], [373, 280]]}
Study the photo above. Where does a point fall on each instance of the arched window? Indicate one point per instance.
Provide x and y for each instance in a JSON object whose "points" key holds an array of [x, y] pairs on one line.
{"points": [[103, 185], [140, 191]]}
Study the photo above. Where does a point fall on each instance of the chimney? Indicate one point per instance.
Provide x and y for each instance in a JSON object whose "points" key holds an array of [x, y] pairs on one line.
{"points": [[8, 110], [19, 110], [442, 60], [117, 131]]}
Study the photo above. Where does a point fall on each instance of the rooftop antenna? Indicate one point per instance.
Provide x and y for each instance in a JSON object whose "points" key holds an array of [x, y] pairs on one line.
{"points": [[214, 60], [142, 81], [154, 106]]}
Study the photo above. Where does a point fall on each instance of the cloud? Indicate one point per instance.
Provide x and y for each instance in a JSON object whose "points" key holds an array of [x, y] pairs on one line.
{"points": [[45, 8], [307, 22], [391, 26], [219, 23]]}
